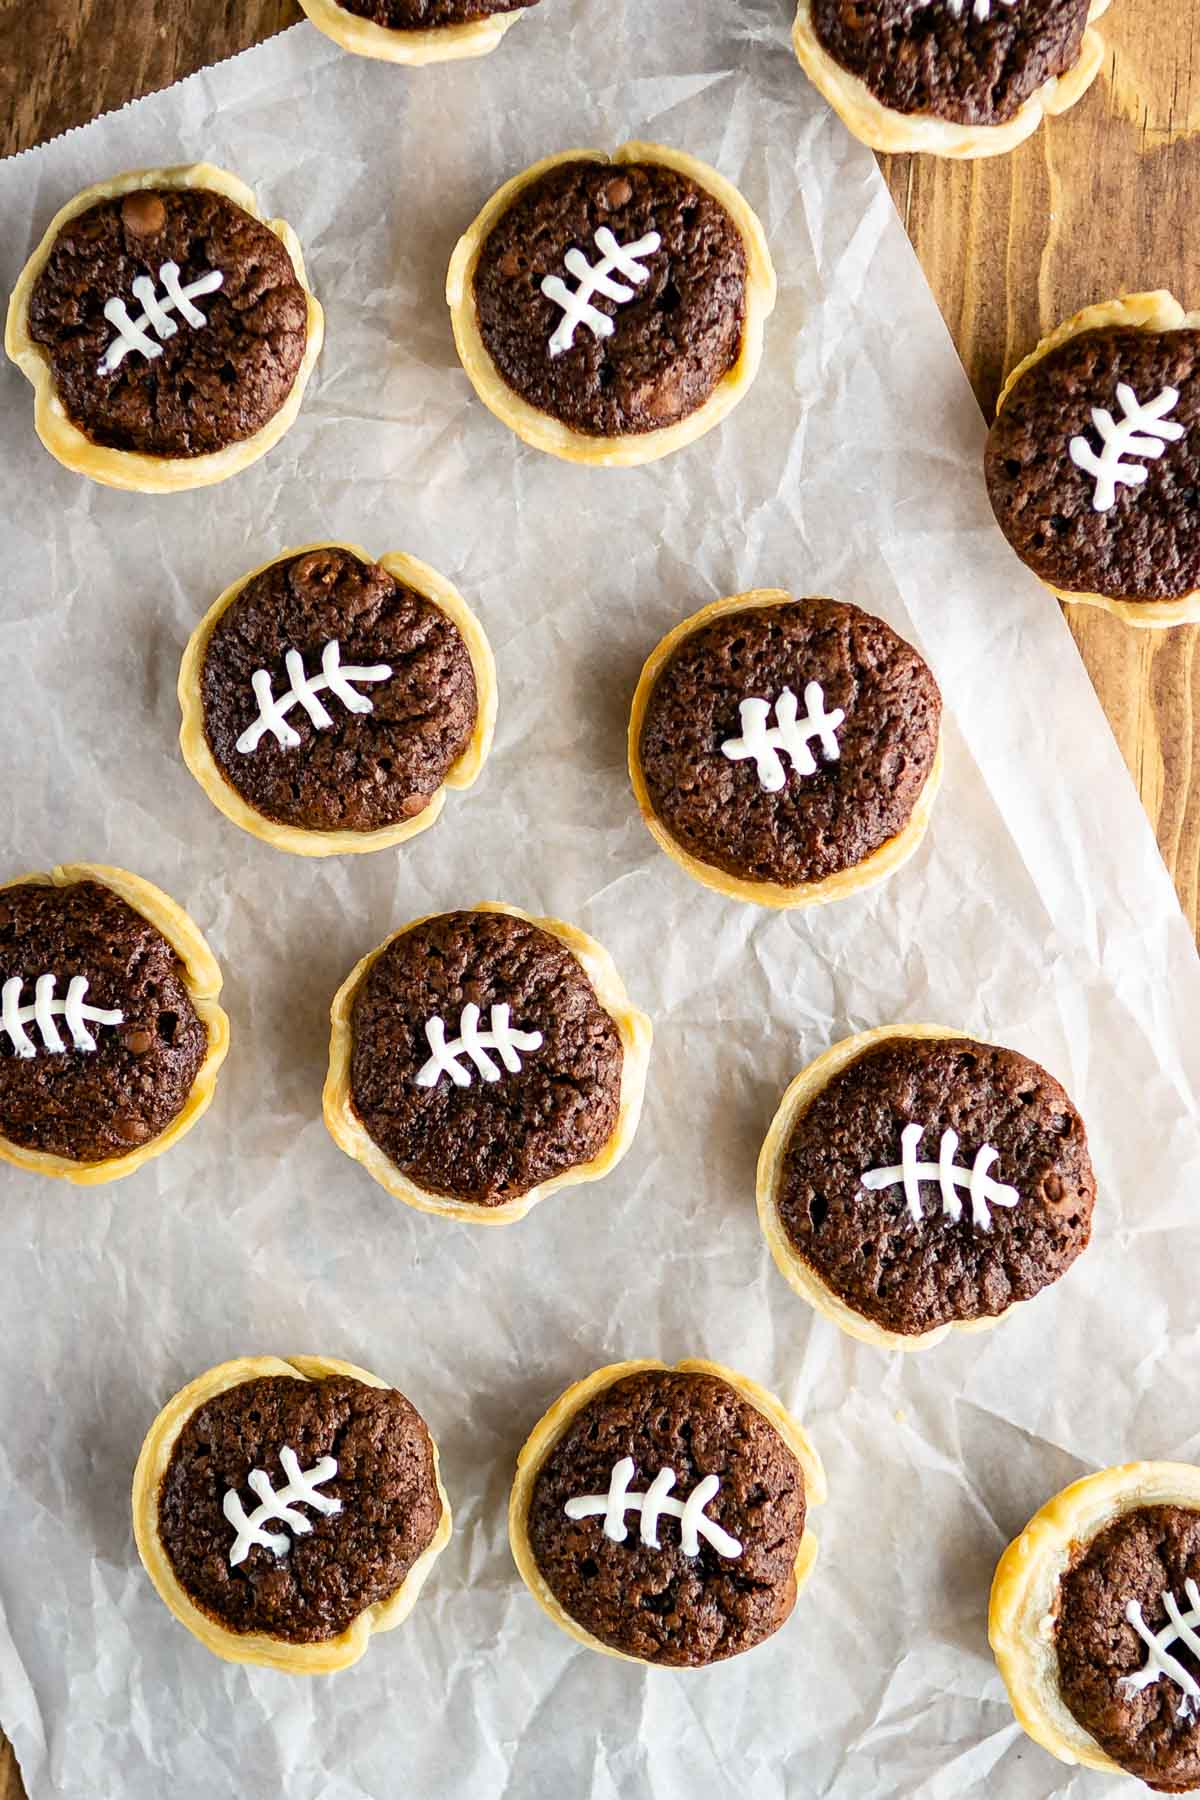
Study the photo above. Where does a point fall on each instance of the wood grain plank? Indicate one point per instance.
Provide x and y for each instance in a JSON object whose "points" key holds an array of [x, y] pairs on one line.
{"points": [[1100, 202]]}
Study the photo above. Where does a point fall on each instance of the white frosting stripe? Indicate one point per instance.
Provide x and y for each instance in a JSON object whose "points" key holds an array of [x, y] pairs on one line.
{"points": [[45, 1011], [949, 1175], [134, 334], [1120, 439], [652, 1505], [336, 677], [596, 279], [278, 1505], [1159, 1661], [445, 1058], [790, 735]]}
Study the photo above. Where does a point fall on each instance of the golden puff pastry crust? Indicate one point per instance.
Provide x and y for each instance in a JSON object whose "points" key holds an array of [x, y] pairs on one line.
{"points": [[874, 868], [1155, 311], [546, 433], [553, 1423], [1024, 1597], [129, 469], [202, 978], [445, 43], [886, 129], [350, 1134], [259, 1647], [410, 572]]}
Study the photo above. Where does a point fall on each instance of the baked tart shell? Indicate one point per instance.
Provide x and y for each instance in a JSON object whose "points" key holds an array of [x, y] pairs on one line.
{"points": [[447, 43]]}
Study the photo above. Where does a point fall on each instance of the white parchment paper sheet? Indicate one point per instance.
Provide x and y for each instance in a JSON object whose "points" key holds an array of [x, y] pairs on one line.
{"points": [[1037, 913]]}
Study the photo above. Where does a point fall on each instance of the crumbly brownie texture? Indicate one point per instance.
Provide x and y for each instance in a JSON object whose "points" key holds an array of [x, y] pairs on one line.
{"points": [[213, 385], [351, 1559], [1147, 545], [817, 824], [673, 343], [492, 1141], [427, 15], [367, 770], [916, 56], [92, 1105], [660, 1605], [865, 1246], [1140, 1556]]}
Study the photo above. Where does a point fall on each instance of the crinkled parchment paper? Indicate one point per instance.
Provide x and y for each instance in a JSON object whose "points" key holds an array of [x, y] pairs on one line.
{"points": [[1037, 913]]}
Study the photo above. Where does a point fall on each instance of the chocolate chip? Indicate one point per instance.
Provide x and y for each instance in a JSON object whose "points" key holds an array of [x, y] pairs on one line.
{"points": [[619, 192], [509, 265], [129, 1129], [137, 1042], [143, 213]]}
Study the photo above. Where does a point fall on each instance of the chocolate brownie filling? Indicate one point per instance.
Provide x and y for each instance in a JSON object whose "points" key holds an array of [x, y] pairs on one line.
{"points": [[488, 1141], [362, 771], [818, 823], [386, 1484], [211, 384], [672, 342], [865, 1245], [928, 56], [659, 1604], [427, 15], [93, 1105], [1146, 546], [1141, 1556]]}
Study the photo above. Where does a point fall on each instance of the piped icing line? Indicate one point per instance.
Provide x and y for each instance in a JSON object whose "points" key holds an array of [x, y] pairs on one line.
{"points": [[335, 676], [133, 334], [790, 735], [653, 1504], [1120, 438], [1180, 1627], [981, 10], [278, 1505], [475, 1044], [949, 1175], [596, 279], [46, 1010]]}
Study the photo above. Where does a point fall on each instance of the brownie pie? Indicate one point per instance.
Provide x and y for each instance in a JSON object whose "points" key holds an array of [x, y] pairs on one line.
{"points": [[286, 1511], [1093, 463], [166, 328], [611, 309], [329, 701], [110, 1032], [416, 31], [661, 1514], [481, 1059], [915, 1181], [959, 78], [785, 751], [1093, 1622]]}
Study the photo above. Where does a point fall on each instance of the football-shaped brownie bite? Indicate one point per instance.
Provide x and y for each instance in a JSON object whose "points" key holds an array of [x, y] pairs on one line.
{"points": [[110, 1032], [167, 330], [916, 1181], [1093, 463], [611, 309], [480, 1060], [329, 701], [785, 752], [287, 1511], [660, 1514], [416, 31], [959, 78], [1094, 1620]]}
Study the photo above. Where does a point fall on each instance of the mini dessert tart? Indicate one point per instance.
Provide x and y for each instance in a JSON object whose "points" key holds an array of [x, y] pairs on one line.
{"points": [[958, 78], [167, 329], [1094, 1621], [329, 701], [1094, 460], [287, 1511], [481, 1060], [916, 1182], [610, 309], [783, 751], [416, 31], [110, 1032], [661, 1514]]}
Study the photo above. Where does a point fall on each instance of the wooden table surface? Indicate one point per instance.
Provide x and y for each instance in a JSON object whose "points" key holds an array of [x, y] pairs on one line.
{"points": [[1098, 203]]}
